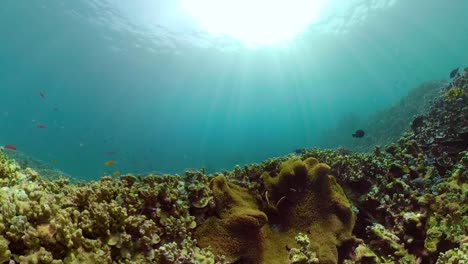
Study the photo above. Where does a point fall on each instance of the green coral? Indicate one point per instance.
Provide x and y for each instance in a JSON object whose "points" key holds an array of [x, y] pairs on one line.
{"points": [[457, 255], [450, 207]]}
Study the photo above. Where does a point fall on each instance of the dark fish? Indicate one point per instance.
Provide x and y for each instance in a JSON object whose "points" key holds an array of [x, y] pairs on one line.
{"points": [[299, 151], [41, 94], [40, 126], [454, 73], [10, 147], [359, 133]]}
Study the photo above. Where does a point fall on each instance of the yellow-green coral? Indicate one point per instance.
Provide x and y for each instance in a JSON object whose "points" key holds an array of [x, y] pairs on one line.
{"points": [[303, 197], [457, 255], [302, 255], [450, 219], [309, 200], [187, 252], [111, 220], [453, 93], [5, 253], [389, 245], [234, 231]]}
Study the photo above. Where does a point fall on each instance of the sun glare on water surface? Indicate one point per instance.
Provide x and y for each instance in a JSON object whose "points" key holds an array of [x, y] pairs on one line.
{"points": [[254, 22]]}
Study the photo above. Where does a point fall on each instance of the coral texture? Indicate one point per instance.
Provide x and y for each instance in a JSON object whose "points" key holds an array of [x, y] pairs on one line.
{"points": [[134, 220], [303, 197]]}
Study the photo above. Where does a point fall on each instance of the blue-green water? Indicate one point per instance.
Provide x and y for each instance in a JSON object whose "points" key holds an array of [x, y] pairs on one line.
{"points": [[118, 86]]}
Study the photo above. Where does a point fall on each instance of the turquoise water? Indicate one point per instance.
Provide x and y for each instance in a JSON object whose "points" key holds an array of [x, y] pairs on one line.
{"points": [[163, 95]]}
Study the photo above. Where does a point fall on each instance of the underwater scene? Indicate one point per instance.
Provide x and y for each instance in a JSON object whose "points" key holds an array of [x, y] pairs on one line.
{"points": [[243, 132]]}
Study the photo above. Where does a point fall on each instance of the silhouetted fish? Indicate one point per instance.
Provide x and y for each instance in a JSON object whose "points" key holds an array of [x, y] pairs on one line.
{"points": [[299, 151], [454, 73], [359, 133]]}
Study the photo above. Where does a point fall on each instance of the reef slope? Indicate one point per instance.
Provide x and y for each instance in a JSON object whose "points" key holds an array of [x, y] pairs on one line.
{"points": [[405, 202]]}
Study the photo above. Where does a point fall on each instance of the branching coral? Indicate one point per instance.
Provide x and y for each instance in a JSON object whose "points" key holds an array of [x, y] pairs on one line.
{"points": [[302, 255], [98, 222]]}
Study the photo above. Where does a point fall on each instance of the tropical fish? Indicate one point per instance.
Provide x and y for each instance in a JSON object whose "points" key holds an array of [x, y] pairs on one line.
{"points": [[359, 133], [10, 147], [53, 161], [109, 163], [41, 94], [116, 173], [454, 73], [40, 126]]}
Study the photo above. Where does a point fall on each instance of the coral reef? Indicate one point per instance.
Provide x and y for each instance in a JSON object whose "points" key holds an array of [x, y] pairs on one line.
{"points": [[47, 170], [126, 220], [385, 126], [406, 202]]}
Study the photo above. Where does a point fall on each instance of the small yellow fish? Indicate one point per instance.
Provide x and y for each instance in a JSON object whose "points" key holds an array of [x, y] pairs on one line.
{"points": [[109, 163], [53, 161], [116, 173]]}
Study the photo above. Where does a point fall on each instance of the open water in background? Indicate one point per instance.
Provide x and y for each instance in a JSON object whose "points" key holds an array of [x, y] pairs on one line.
{"points": [[162, 95]]}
